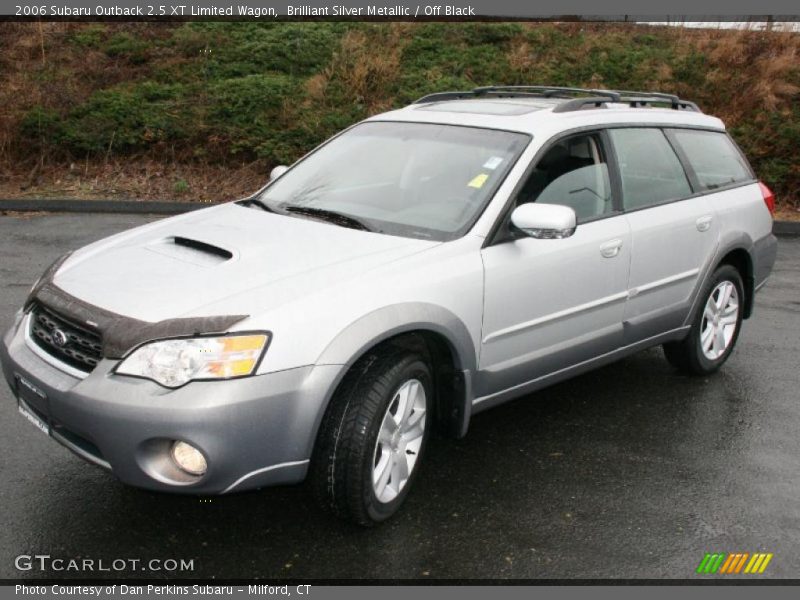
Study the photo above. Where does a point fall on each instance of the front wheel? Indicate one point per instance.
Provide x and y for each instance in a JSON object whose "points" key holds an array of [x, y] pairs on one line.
{"points": [[715, 327], [372, 439]]}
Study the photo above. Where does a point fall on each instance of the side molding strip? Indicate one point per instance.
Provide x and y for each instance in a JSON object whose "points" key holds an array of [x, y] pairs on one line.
{"points": [[590, 305], [662, 282], [555, 316]]}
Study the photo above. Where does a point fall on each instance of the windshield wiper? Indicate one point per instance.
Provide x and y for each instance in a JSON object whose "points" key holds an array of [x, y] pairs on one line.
{"points": [[331, 216], [260, 204]]}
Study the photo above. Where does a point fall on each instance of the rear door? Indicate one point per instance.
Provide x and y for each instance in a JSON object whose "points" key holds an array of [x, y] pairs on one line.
{"points": [[673, 231]]}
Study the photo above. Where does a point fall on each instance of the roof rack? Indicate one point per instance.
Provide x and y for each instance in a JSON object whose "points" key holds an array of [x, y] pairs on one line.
{"points": [[646, 98], [579, 98]]}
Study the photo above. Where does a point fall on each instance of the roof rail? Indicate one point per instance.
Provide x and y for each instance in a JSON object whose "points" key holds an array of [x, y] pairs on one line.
{"points": [[547, 91], [633, 102], [593, 97], [579, 103], [516, 91], [646, 98]]}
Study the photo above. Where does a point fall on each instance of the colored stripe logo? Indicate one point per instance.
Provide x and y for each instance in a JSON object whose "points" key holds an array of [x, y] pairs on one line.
{"points": [[735, 563]]}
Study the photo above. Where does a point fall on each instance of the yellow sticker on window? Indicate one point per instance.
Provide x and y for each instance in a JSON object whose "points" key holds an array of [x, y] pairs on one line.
{"points": [[478, 181]]}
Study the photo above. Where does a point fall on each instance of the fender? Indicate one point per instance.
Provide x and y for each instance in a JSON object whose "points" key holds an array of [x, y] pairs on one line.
{"points": [[387, 322], [727, 244]]}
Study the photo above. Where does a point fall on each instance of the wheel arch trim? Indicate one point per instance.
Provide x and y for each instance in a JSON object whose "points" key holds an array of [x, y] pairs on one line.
{"points": [[392, 321], [735, 242]]}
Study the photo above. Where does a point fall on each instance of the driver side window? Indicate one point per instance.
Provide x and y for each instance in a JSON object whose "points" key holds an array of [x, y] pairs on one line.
{"points": [[574, 173]]}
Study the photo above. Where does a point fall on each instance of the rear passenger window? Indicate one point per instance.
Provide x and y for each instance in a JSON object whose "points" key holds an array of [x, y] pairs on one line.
{"points": [[650, 170], [714, 158]]}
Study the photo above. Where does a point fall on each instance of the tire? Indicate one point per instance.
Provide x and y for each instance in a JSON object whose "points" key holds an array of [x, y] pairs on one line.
{"points": [[699, 354], [348, 451]]}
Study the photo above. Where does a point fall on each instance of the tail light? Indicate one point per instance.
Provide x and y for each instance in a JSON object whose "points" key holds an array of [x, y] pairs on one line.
{"points": [[769, 197]]}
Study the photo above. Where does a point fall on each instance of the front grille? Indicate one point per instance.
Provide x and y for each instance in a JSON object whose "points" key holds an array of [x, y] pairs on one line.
{"points": [[75, 345]]}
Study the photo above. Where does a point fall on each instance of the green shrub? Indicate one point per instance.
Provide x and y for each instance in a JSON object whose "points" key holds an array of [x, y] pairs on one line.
{"points": [[41, 127], [89, 37], [124, 46], [181, 187], [130, 118], [239, 49], [245, 112]]}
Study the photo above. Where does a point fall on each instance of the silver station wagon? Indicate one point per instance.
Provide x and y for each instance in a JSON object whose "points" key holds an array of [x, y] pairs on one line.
{"points": [[420, 267]]}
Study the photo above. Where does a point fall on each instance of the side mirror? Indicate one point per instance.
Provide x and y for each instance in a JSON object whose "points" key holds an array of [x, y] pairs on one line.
{"points": [[277, 172], [544, 221]]}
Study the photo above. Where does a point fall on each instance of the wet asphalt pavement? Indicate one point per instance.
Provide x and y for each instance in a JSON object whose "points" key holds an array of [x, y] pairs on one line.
{"points": [[631, 471]]}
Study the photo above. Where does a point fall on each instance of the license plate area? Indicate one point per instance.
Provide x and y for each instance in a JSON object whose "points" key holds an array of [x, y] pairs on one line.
{"points": [[29, 397]]}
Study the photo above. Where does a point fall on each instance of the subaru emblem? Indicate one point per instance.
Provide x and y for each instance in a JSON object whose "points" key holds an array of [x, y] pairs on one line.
{"points": [[60, 338]]}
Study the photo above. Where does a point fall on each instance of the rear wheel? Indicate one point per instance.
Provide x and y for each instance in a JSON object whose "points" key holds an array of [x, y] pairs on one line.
{"points": [[371, 443], [715, 327]]}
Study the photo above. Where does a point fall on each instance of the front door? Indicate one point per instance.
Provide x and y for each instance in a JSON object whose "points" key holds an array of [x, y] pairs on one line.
{"points": [[553, 303]]}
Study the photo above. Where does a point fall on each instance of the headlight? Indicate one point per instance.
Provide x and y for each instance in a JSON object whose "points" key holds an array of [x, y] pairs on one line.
{"points": [[173, 363]]}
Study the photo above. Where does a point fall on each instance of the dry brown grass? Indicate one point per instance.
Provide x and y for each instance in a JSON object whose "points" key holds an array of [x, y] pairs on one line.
{"points": [[142, 179], [787, 213], [366, 65], [757, 71]]}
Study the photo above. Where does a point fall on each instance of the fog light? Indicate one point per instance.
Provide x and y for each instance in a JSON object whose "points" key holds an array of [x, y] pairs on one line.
{"points": [[189, 458]]}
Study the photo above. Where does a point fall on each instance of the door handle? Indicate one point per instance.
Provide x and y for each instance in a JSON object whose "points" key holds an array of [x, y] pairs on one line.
{"points": [[611, 249], [704, 223]]}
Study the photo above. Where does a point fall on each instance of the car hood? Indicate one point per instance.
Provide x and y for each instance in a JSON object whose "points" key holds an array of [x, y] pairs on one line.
{"points": [[200, 263]]}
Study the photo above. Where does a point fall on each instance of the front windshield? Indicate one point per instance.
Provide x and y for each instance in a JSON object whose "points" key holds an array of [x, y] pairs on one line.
{"points": [[411, 179]]}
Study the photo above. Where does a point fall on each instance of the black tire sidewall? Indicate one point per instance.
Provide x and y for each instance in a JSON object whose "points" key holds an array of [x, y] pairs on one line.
{"points": [[724, 273], [415, 369]]}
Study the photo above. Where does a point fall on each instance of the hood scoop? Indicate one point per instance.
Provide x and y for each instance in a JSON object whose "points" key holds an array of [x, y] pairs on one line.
{"points": [[196, 252]]}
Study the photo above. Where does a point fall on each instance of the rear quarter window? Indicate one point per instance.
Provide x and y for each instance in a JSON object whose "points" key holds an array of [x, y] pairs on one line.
{"points": [[714, 158], [650, 171]]}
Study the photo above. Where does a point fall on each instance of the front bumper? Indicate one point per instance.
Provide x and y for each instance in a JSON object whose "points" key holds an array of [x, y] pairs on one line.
{"points": [[254, 431]]}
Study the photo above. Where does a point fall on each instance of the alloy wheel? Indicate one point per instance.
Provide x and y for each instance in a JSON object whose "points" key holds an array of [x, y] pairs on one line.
{"points": [[720, 319], [399, 440]]}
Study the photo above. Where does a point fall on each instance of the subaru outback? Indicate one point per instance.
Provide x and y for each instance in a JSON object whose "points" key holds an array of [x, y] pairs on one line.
{"points": [[416, 269]]}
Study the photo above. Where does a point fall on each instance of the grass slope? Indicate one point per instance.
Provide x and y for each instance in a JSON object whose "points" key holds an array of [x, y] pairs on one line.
{"points": [[202, 110]]}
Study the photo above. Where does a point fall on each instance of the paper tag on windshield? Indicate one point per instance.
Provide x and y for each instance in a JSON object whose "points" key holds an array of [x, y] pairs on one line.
{"points": [[478, 181], [493, 162]]}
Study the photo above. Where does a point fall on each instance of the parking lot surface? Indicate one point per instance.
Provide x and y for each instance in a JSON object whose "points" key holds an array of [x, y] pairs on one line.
{"points": [[631, 471]]}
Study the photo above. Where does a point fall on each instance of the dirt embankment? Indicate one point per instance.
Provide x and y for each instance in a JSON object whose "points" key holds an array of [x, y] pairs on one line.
{"points": [[202, 111]]}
